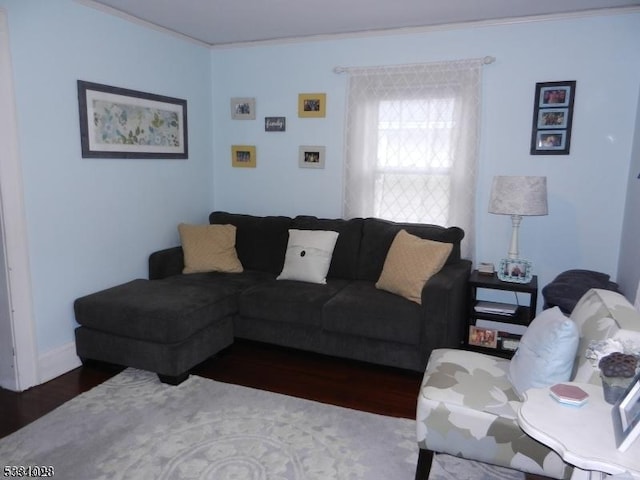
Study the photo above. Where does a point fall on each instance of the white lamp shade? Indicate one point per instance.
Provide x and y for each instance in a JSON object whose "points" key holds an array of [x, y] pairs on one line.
{"points": [[519, 196]]}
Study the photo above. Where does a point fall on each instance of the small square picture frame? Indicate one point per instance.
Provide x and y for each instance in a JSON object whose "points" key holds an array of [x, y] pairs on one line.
{"points": [[243, 156], [515, 270], [483, 337], [243, 108], [312, 105], [311, 156]]}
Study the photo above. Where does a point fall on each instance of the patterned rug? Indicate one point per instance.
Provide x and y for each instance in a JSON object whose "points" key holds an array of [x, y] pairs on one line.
{"points": [[134, 427]]}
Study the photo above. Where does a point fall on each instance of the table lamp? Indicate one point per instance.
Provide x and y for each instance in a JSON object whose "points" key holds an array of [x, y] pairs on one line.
{"points": [[517, 196]]}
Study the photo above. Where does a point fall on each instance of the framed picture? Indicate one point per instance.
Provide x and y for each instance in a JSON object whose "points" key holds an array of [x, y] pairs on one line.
{"points": [[312, 105], [483, 337], [311, 157], [121, 123], [275, 124], [626, 415], [243, 156], [552, 118], [514, 270], [243, 108]]}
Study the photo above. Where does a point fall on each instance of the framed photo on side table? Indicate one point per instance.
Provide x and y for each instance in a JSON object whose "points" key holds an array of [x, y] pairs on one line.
{"points": [[483, 337], [552, 117], [626, 416], [515, 270]]}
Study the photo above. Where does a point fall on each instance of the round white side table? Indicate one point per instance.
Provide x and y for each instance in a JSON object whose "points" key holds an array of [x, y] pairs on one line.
{"points": [[582, 436]]}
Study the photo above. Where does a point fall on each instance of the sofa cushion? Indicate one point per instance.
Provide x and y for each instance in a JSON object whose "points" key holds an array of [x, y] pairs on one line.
{"points": [[344, 263], [288, 300], [361, 309], [209, 248], [546, 352], [308, 255], [163, 311], [410, 263], [378, 235], [261, 242]]}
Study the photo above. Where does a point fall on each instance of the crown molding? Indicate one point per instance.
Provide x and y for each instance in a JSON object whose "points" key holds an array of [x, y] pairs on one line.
{"points": [[138, 21], [367, 33], [435, 28]]}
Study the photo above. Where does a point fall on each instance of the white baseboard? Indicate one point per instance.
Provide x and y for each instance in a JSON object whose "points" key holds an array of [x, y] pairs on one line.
{"points": [[55, 362]]}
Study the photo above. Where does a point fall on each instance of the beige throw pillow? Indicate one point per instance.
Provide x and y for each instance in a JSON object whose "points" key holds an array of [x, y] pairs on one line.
{"points": [[209, 248], [410, 262]]}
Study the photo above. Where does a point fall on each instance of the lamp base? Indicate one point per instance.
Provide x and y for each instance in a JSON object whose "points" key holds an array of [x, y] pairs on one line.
{"points": [[515, 270]]}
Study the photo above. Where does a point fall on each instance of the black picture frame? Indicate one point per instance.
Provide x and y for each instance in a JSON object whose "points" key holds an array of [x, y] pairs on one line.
{"points": [[552, 118], [122, 123]]}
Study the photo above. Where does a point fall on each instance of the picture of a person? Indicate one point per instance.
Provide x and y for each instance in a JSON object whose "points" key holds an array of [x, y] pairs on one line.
{"points": [[552, 97]]}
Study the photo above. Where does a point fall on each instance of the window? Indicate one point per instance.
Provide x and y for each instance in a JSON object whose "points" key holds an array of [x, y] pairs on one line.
{"points": [[412, 134], [414, 160]]}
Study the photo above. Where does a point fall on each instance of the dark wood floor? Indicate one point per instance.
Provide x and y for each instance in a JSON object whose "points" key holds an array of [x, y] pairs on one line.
{"points": [[385, 391]]}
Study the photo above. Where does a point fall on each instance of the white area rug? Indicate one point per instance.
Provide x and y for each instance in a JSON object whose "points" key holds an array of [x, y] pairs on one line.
{"points": [[134, 427]]}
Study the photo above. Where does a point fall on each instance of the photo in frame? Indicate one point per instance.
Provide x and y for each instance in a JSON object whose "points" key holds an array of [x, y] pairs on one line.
{"points": [[243, 108], [122, 123], [312, 105], [552, 139], [243, 156], [515, 270], [626, 415], [311, 156], [552, 118], [483, 337]]}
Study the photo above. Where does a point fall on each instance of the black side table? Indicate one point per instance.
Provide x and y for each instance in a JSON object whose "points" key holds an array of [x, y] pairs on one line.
{"points": [[496, 342]]}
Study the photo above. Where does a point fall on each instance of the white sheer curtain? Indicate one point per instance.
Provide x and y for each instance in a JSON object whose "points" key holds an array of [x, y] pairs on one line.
{"points": [[412, 143]]}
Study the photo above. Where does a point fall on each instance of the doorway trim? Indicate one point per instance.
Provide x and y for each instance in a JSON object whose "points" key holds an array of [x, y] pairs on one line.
{"points": [[13, 216]]}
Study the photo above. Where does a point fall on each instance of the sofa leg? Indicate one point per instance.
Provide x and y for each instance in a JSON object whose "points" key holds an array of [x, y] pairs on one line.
{"points": [[423, 467], [173, 379]]}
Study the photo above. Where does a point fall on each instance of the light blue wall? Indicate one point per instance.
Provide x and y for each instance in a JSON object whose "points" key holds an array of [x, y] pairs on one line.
{"points": [[92, 222], [586, 188], [629, 264]]}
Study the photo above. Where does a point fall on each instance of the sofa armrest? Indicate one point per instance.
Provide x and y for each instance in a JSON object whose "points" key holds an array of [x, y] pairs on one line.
{"points": [[165, 263], [445, 300]]}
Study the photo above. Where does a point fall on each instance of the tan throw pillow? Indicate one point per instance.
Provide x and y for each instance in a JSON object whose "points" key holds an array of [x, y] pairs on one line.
{"points": [[209, 248], [410, 262]]}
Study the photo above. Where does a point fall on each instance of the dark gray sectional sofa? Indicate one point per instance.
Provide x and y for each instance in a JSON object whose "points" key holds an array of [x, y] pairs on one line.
{"points": [[173, 321]]}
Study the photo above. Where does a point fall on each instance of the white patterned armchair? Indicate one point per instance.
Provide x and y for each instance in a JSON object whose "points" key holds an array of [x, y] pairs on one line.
{"points": [[467, 406]]}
